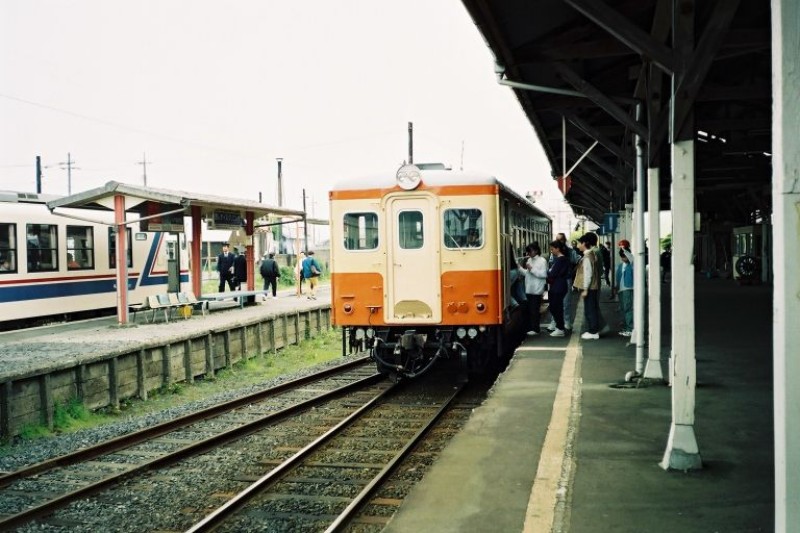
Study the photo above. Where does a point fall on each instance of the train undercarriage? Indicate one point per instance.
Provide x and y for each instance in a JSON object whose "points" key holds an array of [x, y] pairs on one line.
{"points": [[406, 353]]}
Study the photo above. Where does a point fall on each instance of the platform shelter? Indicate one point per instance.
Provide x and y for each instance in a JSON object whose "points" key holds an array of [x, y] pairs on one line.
{"points": [[151, 209]]}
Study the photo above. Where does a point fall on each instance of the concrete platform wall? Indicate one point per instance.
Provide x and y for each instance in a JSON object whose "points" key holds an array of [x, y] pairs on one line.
{"points": [[31, 399]]}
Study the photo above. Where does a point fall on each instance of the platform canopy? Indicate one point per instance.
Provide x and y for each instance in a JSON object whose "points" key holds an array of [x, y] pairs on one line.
{"points": [[591, 61], [148, 201], [164, 210]]}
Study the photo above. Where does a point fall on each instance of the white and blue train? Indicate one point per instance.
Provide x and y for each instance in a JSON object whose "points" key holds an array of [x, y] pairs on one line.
{"points": [[52, 267]]}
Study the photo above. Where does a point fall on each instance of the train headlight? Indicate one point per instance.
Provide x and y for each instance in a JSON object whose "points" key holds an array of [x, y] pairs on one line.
{"points": [[472, 332], [461, 333], [370, 333], [480, 307], [408, 177], [359, 334]]}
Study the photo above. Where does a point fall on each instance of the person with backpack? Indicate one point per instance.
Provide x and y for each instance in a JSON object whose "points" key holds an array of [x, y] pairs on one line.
{"points": [[270, 273], [311, 271]]}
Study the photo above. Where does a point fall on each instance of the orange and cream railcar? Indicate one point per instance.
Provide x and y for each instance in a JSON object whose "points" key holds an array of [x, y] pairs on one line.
{"points": [[420, 263]]}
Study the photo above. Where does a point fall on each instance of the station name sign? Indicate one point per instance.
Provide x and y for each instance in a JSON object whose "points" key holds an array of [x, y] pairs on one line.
{"points": [[225, 220], [170, 223]]}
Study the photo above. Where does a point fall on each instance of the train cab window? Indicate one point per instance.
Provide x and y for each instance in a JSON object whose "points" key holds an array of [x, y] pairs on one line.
{"points": [[112, 248], [8, 248], [42, 244], [360, 231], [410, 228], [463, 228], [80, 247]]}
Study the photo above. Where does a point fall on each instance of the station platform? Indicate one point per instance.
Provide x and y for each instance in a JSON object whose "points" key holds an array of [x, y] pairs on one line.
{"points": [[102, 363], [26, 351], [560, 445]]}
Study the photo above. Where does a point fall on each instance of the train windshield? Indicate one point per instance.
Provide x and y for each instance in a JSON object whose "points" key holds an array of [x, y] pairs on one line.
{"points": [[410, 226], [360, 231], [463, 228]]}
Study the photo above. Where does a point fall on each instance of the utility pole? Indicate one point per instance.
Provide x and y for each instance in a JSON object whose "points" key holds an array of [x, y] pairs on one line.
{"points": [[69, 165], [280, 182], [144, 162], [38, 174], [305, 222], [410, 143]]}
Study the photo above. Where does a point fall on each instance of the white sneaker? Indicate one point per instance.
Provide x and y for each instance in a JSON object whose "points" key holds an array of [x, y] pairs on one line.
{"points": [[590, 336], [532, 333], [625, 333], [557, 333]]}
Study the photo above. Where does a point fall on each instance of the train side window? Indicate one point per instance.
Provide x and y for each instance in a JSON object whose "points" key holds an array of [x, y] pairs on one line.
{"points": [[8, 248], [360, 231], [463, 228], [42, 244], [80, 247], [410, 228], [112, 248]]}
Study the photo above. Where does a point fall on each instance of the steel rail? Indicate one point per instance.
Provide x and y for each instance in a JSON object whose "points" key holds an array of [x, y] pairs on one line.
{"points": [[219, 515], [49, 507], [125, 441], [350, 511]]}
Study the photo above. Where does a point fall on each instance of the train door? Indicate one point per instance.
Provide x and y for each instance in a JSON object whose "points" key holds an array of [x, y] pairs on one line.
{"points": [[413, 284]]}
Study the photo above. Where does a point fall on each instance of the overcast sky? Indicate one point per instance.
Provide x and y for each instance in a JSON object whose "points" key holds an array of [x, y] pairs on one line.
{"points": [[214, 92]]}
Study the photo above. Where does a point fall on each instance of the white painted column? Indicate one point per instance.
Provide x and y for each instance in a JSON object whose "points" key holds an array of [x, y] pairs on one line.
{"points": [[786, 260], [682, 452], [639, 250], [652, 370]]}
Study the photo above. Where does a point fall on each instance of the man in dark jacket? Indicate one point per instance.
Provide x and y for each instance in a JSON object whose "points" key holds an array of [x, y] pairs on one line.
{"points": [[270, 273], [225, 268], [239, 268]]}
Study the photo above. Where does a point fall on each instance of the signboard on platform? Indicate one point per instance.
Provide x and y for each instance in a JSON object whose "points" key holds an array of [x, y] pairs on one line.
{"points": [[225, 220], [170, 223], [611, 222]]}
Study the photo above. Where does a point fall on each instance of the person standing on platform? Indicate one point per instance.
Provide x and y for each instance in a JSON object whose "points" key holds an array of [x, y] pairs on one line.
{"points": [[535, 279], [587, 281], [298, 273], [666, 262], [605, 251], [270, 273], [558, 281], [311, 271], [239, 269], [225, 268], [572, 258], [625, 293]]}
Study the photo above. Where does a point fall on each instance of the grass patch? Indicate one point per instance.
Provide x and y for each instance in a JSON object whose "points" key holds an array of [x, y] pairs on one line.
{"points": [[74, 416]]}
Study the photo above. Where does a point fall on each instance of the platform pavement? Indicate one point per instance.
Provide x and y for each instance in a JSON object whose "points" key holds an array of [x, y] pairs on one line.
{"points": [[30, 351], [555, 448]]}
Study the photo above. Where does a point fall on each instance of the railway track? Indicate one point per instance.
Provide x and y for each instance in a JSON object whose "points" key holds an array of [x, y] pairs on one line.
{"points": [[325, 484], [41, 489]]}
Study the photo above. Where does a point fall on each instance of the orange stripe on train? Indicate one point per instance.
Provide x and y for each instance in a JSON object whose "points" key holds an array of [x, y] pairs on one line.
{"points": [[442, 190], [468, 298]]}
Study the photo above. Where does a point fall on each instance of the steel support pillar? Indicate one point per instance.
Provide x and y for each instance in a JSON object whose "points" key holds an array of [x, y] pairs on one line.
{"points": [[786, 289], [652, 369]]}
